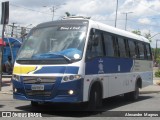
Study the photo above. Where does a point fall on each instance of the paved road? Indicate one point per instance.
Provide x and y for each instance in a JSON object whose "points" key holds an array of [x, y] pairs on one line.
{"points": [[147, 102]]}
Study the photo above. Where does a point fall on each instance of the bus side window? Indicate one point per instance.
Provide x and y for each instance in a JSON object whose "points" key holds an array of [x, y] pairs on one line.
{"points": [[148, 51], [137, 50], [132, 48], [116, 49], [122, 47], [127, 48], [109, 46], [95, 47], [141, 50]]}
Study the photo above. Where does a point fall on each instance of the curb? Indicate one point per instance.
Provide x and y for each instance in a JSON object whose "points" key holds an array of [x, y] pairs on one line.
{"points": [[157, 82], [6, 82], [8, 93], [6, 76], [148, 92]]}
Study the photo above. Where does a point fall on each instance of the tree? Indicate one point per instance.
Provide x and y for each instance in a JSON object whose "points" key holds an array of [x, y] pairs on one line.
{"points": [[138, 32], [67, 14], [148, 36]]}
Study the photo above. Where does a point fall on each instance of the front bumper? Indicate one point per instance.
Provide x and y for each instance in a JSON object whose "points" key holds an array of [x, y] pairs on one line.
{"points": [[59, 92]]}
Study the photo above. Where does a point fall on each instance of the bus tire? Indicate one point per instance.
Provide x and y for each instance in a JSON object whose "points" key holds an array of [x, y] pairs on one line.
{"points": [[34, 104], [95, 99], [134, 95]]}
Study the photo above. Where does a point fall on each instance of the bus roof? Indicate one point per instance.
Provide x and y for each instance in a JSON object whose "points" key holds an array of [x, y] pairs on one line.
{"points": [[99, 25], [118, 31]]}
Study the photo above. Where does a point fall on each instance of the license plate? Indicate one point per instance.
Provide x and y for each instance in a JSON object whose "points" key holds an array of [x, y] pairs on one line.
{"points": [[37, 87]]}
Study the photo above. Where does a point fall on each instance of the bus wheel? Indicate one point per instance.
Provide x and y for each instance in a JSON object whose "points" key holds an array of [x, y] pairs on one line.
{"points": [[95, 99], [34, 104], [133, 95]]}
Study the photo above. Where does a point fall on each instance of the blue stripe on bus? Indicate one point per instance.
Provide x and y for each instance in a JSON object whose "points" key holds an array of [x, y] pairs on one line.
{"points": [[72, 70], [58, 69], [110, 65]]}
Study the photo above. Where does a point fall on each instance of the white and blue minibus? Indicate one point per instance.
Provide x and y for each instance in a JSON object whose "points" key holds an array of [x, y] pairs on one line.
{"points": [[78, 60]]}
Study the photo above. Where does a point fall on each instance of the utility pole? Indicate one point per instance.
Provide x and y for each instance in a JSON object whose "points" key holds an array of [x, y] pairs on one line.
{"points": [[24, 31], [116, 14], [126, 13], [53, 8], [4, 21], [12, 28]]}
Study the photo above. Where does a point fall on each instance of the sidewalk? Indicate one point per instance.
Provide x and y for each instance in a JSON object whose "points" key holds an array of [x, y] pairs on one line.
{"points": [[155, 88], [150, 89], [6, 86]]}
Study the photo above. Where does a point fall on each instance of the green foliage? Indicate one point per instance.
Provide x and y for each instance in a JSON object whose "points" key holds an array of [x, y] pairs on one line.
{"points": [[157, 55], [67, 14], [158, 59], [148, 36], [138, 32], [157, 73]]}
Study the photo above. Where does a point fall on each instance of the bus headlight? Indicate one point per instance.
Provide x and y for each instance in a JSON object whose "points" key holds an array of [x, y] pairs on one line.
{"points": [[16, 77], [70, 92], [71, 77]]}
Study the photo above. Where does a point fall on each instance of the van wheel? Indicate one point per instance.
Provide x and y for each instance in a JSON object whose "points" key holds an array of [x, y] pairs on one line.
{"points": [[133, 95], [34, 104], [95, 99]]}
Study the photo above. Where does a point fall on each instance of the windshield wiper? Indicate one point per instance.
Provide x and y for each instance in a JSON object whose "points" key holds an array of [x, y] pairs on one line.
{"points": [[65, 57]]}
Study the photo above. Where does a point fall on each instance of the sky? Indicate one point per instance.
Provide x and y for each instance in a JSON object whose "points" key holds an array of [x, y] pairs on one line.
{"points": [[143, 15]]}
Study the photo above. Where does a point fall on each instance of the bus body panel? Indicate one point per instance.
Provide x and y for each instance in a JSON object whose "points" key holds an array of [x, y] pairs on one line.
{"points": [[53, 92], [117, 75]]}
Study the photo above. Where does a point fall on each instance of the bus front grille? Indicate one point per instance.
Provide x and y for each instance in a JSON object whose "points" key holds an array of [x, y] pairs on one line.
{"points": [[38, 80], [38, 93]]}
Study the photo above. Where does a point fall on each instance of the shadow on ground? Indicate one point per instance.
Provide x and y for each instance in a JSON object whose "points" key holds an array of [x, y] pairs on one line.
{"points": [[1, 106], [79, 110]]}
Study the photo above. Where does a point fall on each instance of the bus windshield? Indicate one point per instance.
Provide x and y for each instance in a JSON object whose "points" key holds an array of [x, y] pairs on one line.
{"points": [[57, 43]]}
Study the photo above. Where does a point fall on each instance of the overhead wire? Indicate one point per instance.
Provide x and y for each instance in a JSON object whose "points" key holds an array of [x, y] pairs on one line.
{"points": [[31, 9], [19, 6]]}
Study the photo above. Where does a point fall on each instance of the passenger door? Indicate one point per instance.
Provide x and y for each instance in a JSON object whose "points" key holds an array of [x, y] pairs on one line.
{"points": [[95, 67]]}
